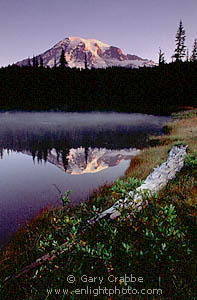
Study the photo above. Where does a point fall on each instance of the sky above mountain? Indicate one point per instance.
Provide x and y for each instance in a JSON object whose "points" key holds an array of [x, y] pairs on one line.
{"points": [[138, 27]]}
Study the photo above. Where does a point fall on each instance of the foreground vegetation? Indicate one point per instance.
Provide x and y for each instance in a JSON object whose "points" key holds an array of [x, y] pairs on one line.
{"points": [[154, 244]]}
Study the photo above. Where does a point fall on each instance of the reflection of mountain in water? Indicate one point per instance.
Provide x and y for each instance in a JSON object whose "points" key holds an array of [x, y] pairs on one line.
{"points": [[41, 141], [81, 160], [43, 134]]}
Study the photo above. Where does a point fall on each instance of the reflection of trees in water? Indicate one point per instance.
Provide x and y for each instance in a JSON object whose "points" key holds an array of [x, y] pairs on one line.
{"points": [[40, 142]]}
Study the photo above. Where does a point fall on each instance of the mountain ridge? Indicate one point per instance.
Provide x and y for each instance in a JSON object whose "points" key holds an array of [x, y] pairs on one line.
{"points": [[96, 53]]}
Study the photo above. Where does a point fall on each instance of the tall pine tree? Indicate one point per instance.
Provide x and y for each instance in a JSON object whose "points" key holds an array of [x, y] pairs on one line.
{"points": [[86, 62], [29, 62], [194, 52], [41, 62], [180, 49], [187, 55], [161, 57], [34, 61], [63, 62]]}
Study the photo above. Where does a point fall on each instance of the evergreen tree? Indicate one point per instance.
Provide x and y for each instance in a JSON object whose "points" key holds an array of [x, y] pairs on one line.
{"points": [[194, 52], [86, 63], [63, 61], [29, 62], [161, 57], [41, 62], [187, 55], [179, 52], [34, 61]]}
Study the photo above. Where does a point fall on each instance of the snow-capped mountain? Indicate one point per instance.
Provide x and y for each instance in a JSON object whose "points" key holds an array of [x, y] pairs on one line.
{"points": [[97, 53]]}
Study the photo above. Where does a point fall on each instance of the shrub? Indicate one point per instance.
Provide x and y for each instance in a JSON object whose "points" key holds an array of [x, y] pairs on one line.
{"points": [[149, 243], [166, 129]]}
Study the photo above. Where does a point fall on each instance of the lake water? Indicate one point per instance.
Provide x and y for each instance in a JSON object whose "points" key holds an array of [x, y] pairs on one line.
{"points": [[41, 153]]}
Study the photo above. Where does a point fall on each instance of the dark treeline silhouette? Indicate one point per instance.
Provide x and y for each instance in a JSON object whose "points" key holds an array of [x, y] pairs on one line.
{"points": [[157, 90]]}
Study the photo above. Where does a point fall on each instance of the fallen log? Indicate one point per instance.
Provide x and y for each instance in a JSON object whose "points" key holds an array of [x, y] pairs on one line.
{"points": [[153, 183]]}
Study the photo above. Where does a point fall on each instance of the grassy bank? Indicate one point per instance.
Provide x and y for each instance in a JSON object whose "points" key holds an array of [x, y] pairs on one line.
{"points": [[155, 244]]}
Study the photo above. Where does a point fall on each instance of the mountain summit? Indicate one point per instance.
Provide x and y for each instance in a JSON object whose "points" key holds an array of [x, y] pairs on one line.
{"points": [[96, 53]]}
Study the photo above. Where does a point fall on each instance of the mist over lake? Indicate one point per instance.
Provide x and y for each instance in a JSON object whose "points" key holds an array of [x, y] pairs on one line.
{"points": [[78, 151]]}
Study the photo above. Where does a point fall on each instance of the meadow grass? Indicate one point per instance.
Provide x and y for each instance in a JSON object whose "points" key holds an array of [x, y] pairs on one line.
{"points": [[155, 243]]}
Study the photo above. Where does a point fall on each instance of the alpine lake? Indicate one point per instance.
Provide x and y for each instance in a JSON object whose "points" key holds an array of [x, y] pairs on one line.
{"points": [[45, 153]]}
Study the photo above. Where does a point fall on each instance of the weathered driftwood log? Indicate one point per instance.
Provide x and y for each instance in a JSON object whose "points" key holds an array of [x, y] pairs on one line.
{"points": [[153, 183]]}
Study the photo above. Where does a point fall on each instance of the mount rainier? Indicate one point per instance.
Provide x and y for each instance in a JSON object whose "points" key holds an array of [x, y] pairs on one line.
{"points": [[97, 53]]}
